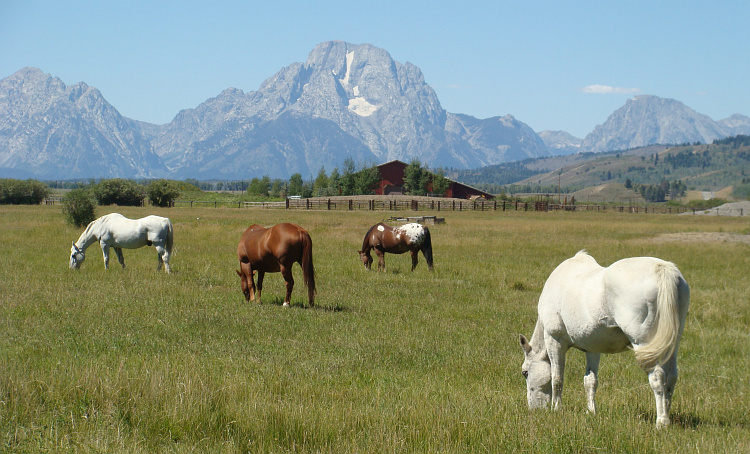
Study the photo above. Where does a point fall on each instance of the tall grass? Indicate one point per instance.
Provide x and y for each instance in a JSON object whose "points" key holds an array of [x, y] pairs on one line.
{"points": [[135, 360]]}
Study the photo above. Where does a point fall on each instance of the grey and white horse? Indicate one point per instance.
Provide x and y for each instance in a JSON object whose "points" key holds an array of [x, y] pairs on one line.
{"points": [[639, 303], [116, 231]]}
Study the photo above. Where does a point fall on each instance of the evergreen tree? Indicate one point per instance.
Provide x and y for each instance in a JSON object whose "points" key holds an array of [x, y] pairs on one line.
{"points": [[347, 177], [366, 179], [415, 180], [259, 187], [321, 183], [440, 184], [295, 184], [334, 182]]}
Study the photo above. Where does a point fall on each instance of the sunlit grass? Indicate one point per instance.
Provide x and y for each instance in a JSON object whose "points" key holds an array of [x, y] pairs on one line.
{"points": [[135, 360]]}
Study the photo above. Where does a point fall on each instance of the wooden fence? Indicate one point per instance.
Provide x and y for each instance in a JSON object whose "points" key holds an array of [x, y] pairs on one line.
{"points": [[352, 204]]}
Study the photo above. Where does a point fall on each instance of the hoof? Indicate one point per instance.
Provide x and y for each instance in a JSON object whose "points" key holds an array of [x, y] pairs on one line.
{"points": [[286, 304]]}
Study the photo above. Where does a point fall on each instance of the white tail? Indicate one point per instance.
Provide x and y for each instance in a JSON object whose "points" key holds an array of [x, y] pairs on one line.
{"points": [[667, 321]]}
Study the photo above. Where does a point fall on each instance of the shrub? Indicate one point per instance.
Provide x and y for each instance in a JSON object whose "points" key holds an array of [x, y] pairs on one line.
{"points": [[20, 192], [78, 207], [119, 191], [162, 193]]}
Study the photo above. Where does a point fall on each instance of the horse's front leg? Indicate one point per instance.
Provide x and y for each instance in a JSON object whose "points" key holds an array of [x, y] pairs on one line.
{"points": [[286, 272], [120, 257], [381, 260], [105, 254], [414, 259], [590, 381], [556, 353]]}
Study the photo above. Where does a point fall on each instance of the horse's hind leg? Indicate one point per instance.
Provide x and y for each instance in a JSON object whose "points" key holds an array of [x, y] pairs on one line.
{"points": [[286, 272], [414, 258], [663, 380], [163, 257]]}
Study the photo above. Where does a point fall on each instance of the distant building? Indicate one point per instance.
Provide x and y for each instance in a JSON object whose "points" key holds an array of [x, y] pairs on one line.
{"points": [[392, 183]]}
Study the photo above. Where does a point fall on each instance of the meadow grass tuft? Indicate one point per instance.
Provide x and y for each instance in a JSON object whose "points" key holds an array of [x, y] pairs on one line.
{"points": [[135, 360]]}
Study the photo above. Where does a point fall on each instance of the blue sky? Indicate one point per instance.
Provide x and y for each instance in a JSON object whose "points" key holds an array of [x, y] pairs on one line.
{"points": [[551, 64]]}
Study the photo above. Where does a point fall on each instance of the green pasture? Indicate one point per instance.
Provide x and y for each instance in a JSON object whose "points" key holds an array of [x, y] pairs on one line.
{"points": [[139, 361]]}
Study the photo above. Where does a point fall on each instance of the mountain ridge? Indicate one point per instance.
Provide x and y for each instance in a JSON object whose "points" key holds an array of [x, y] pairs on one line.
{"points": [[344, 101]]}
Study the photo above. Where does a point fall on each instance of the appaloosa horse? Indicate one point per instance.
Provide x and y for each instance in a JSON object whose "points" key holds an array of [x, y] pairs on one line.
{"points": [[396, 240], [270, 250], [116, 231], [636, 303]]}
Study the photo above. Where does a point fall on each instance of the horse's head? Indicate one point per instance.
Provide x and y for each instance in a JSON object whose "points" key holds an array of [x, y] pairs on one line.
{"points": [[247, 284], [77, 257], [366, 259], [538, 374]]}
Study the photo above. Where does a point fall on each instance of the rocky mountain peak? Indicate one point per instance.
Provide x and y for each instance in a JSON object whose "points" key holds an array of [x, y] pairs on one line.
{"points": [[647, 120], [49, 130]]}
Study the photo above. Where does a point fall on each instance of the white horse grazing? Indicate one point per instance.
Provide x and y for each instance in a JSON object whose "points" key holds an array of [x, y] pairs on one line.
{"points": [[116, 231], [639, 303]]}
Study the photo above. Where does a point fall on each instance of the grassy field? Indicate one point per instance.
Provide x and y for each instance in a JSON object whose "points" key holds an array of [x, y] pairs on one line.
{"points": [[138, 361]]}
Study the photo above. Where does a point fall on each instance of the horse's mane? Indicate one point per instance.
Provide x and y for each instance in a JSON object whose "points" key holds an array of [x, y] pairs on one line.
{"points": [[86, 234]]}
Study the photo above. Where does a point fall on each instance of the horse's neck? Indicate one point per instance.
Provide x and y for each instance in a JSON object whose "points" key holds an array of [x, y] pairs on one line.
{"points": [[89, 236], [537, 339], [366, 246]]}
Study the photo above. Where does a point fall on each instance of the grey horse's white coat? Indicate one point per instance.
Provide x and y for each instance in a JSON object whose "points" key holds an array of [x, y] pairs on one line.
{"points": [[639, 303], [116, 231]]}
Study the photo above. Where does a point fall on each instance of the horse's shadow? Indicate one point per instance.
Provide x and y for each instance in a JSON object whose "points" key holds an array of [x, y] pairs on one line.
{"points": [[279, 301], [689, 420]]}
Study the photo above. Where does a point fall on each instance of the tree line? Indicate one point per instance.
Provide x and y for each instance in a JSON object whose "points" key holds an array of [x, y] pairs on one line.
{"points": [[418, 180], [658, 192]]}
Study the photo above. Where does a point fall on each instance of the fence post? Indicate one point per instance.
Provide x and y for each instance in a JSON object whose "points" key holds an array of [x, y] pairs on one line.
{"points": [[328, 204], [287, 203], [351, 205]]}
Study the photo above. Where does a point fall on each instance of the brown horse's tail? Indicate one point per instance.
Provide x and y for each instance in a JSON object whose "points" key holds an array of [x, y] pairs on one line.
{"points": [[427, 248], [308, 270]]}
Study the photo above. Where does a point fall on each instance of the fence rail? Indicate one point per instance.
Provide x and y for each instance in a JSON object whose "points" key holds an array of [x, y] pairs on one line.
{"points": [[405, 204]]}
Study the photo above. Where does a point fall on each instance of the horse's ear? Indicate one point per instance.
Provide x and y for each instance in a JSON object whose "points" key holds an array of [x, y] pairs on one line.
{"points": [[525, 345]]}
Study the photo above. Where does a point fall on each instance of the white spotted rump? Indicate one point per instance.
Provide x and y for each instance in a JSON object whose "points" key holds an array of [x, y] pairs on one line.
{"points": [[413, 231]]}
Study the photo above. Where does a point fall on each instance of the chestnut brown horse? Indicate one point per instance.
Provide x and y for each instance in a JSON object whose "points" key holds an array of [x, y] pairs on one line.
{"points": [[270, 250], [396, 240]]}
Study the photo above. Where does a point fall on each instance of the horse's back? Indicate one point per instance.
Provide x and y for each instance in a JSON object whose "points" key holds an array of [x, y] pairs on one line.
{"points": [[287, 239], [605, 309], [259, 244]]}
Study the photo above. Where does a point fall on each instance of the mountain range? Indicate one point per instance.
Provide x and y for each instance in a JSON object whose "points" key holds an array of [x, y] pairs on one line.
{"points": [[344, 101]]}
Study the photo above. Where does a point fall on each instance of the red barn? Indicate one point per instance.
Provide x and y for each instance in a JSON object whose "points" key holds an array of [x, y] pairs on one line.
{"points": [[392, 182]]}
